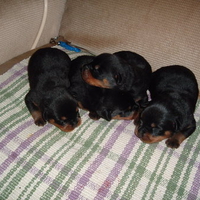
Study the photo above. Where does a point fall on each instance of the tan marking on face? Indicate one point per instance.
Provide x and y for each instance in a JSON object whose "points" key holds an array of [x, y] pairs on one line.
{"points": [[88, 78], [149, 138], [65, 128], [153, 125], [105, 83]]}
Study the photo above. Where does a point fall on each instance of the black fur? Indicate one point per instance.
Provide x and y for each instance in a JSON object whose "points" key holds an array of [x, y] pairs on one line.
{"points": [[102, 103], [124, 70], [48, 98], [170, 114]]}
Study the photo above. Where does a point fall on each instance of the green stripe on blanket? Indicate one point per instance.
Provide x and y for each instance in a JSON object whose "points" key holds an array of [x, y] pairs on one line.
{"points": [[98, 160]]}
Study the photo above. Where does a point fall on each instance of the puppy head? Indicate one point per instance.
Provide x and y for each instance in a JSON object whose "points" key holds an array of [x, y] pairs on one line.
{"points": [[117, 105], [62, 112], [155, 124], [104, 71]]}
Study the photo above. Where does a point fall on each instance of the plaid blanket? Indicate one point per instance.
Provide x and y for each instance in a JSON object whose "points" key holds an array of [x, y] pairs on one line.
{"points": [[98, 160]]}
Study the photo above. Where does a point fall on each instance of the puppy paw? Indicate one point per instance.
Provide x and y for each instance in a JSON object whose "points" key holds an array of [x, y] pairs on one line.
{"points": [[38, 119], [40, 122], [172, 143], [94, 116]]}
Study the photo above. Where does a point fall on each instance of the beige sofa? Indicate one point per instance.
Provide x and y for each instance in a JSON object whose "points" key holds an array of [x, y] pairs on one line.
{"points": [[99, 159], [164, 32]]}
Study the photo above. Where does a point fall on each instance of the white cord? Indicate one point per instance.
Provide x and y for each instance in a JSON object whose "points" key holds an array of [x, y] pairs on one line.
{"points": [[42, 25]]}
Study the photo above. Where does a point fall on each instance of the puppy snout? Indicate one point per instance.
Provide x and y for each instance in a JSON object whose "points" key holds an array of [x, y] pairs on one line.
{"points": [[140, 134], [74, 123]]}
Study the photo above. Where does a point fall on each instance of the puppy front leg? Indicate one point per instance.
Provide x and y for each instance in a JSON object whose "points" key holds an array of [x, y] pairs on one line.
{"points": [[175, 141], [178, 138], [34, 109]]}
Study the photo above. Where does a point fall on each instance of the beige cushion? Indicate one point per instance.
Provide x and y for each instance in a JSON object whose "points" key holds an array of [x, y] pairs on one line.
{"points": [[164, 32], [20, 22]]}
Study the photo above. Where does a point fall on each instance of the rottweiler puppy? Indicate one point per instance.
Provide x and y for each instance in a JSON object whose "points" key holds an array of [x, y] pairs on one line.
{"points": [[124, 70], [48, 98], [101, 103], [170, 114]]}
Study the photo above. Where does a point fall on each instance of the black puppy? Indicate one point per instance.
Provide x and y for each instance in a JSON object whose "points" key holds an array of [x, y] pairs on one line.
{"points": [[124, 70], [48, 99], [101, 103], [174, 93]]}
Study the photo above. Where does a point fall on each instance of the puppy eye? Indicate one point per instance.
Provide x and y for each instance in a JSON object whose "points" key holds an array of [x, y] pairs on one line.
{"points": [[96, 67], [118, 78], [73, 94]]}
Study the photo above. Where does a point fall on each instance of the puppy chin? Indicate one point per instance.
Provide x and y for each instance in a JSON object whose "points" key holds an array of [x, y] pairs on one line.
{"points": [[149, 138], [146, 138], [67, 127]]}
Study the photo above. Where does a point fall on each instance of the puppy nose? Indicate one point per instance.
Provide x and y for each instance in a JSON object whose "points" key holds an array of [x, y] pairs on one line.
{"points": [[74, 122]]}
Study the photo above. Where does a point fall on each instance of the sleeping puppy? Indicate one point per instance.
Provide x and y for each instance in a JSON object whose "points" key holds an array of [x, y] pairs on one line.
{"points": [[101, 103], [123, 70], [48, 98], [174, 93]]}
